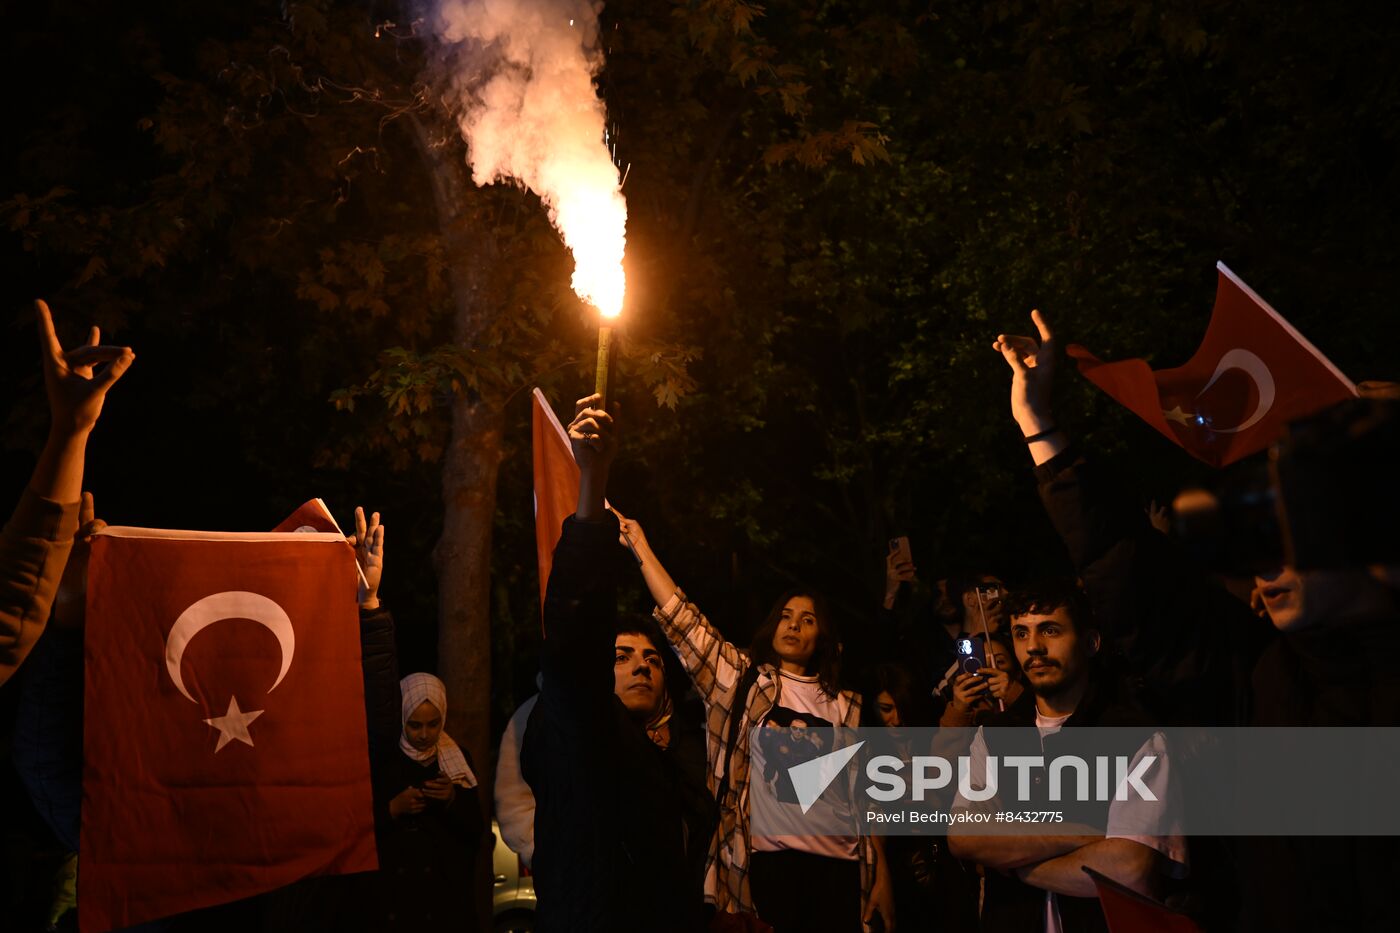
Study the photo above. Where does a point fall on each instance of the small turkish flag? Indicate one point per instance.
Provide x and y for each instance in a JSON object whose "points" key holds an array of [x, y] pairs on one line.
{"points": [[315, 515], [556, 483], [1126, 911], [311, 515], [1252, 374], [224, 744]]}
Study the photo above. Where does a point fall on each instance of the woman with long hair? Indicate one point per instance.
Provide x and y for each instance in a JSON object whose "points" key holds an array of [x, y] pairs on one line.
{"points": [[787, 684]]}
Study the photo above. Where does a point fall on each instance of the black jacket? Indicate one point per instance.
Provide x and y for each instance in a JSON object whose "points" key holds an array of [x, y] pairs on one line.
{"points": [[427, 861], [1204, 659], [620, 824]]}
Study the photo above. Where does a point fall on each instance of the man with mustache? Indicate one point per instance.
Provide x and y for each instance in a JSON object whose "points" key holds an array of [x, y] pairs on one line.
{"points": [[1037, 882]]}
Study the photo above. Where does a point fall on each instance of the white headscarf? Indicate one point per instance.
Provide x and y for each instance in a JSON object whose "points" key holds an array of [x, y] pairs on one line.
{"points": [[416, 689]]}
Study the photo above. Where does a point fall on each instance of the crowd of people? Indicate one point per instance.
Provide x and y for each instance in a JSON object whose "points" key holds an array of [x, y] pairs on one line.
{"points": [[1141, 638], [635, 800]]}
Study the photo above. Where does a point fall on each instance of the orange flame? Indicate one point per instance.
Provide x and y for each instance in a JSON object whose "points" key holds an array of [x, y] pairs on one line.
{"points": [[593, 221]]}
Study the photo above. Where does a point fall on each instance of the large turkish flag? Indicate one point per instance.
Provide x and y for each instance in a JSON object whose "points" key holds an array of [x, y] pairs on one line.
{"points": [[1252, 374], [224, 741]]}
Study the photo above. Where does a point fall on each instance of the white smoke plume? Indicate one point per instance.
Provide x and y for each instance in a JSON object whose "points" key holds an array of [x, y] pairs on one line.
{"points": [[523, 82]]}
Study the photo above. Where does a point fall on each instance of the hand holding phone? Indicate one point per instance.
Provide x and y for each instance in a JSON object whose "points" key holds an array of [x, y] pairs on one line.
{"points": [[969, 691], [901, 557], [438, 788]]}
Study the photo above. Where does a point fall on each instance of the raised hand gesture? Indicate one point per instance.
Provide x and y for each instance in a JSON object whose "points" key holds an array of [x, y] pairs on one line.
{"points": [[593, 435], [368, 542], [75, 388], [1032, 368]]}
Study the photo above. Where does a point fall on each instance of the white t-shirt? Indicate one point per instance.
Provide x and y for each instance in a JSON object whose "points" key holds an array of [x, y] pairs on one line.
{"points": [[1153, 825], [785, 741]]}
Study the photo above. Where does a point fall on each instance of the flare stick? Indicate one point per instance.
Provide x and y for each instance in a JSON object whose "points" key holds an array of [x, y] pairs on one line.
{"points": [[604, 351]]}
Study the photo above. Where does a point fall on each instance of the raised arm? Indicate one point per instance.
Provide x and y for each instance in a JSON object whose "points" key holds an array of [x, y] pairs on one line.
{"points": [[36, 542], [1032, 375], [593, 436], [76, 391], [580, 609], [1168, 621], [379, 658], [713, 664], [658, 580]]}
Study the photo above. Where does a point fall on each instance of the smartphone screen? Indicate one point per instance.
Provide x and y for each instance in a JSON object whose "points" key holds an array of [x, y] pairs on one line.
{"points": [[972, 655]]}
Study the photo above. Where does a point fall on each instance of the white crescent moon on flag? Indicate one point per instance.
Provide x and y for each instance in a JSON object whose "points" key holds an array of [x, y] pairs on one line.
{"points": [[1263, 380], [233, 604]]}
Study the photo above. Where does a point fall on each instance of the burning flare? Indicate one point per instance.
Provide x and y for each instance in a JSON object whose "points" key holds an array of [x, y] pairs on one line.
{"points": [[529, 111]]}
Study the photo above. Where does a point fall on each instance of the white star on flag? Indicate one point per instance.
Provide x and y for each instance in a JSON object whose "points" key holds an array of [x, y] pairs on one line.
{"points": [[233, 725]]}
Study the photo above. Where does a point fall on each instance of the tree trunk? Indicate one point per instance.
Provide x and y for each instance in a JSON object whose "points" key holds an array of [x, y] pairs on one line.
{"points": [[462, 557], [463, 563]]}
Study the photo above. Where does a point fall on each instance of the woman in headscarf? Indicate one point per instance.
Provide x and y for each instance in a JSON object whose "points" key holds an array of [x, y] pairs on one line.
{"points": [[429, 819]]}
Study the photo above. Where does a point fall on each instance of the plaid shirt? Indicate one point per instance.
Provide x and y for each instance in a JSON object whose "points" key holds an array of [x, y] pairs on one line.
{"points": [[715, 667]]}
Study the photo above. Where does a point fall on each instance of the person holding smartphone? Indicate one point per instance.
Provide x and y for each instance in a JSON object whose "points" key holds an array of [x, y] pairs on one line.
{"points": [[430, 827], [922, 624], [994, 685], [983, 617]]}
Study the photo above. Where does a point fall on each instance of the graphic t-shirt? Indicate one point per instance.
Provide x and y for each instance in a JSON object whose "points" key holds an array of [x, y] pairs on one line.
{"points": [[784, 739]]}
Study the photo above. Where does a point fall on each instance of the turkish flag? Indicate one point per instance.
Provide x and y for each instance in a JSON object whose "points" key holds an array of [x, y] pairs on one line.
{"points": [[556, 483], [315, 515], [1126, 911], [224, 743], [1252, 374], [311, 515]]}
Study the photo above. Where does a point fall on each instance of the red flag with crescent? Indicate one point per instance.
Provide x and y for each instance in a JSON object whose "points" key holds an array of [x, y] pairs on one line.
{"points": [[311, 515], [224, 741], [556, 483], [1253, 373]]}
